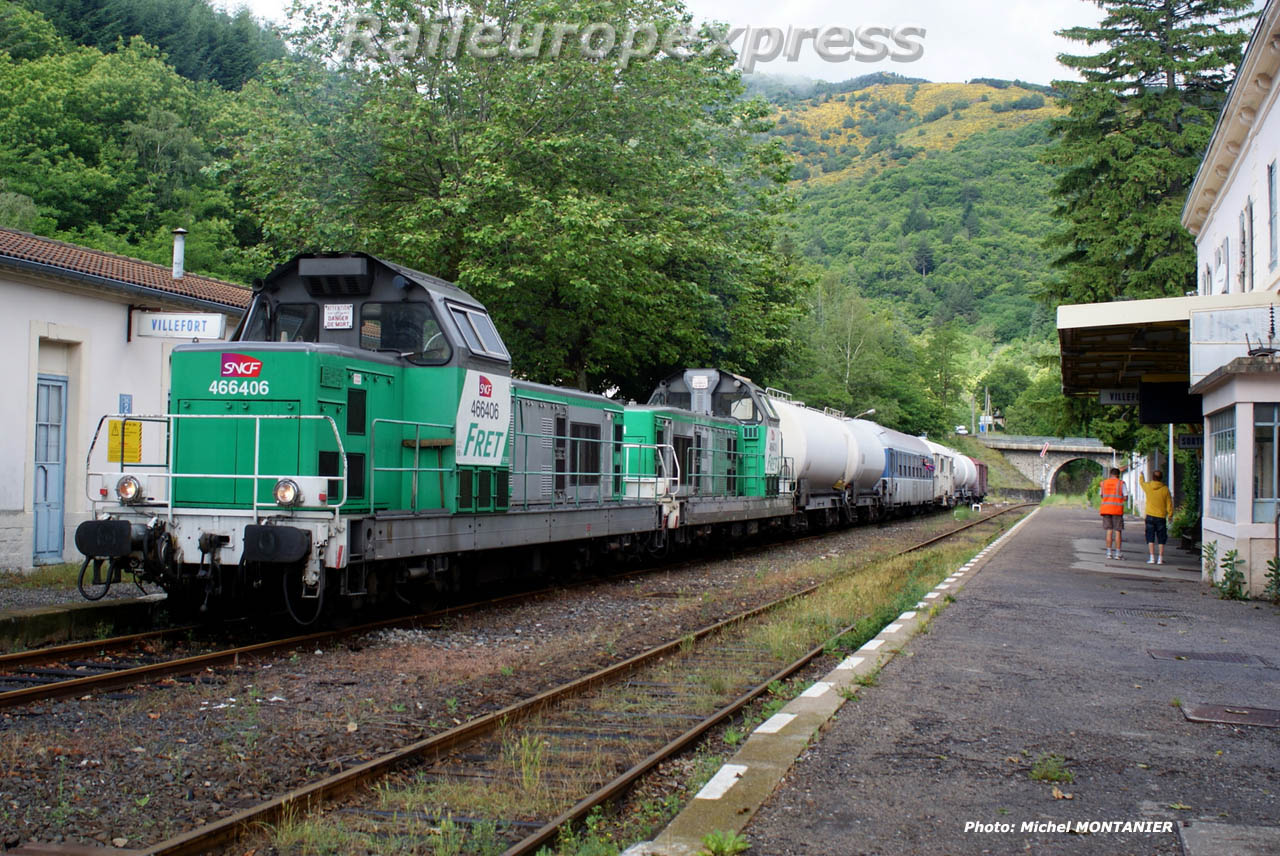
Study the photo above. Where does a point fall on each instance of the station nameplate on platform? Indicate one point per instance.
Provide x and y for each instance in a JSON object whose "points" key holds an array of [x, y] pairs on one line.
{"points": [[1118, 396]]}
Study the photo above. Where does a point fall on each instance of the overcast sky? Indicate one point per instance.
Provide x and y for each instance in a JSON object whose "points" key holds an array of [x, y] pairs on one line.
{"points": [[963, 38]]}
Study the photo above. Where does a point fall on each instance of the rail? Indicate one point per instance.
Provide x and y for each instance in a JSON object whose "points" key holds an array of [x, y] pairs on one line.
{"points": [[221, 832], [169, 476]]}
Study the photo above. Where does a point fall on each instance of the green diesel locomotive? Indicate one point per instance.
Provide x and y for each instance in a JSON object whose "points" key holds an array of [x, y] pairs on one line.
{"points": [[361, 439]]}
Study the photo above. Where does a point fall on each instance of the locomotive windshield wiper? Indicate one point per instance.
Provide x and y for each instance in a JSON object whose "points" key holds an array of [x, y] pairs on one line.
{"points": [[398, 352]]}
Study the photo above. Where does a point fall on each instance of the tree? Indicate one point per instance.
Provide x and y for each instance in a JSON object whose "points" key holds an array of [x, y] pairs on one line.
{"points": [[922, 257], [917, 220], [618, 222], [1129, 147], [942, 363], [25, 34], [1004, 381]]}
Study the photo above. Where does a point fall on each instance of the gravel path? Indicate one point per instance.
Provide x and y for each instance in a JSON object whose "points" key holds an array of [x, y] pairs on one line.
{"points": [[133, 768], [15, 597]]}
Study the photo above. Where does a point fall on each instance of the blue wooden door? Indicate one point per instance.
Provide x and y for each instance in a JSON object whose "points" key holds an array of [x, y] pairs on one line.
{"points": [[50, 467]]}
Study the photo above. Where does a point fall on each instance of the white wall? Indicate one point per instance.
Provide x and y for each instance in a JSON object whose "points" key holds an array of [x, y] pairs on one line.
{"points": [[1247, 181], [79, 331]]}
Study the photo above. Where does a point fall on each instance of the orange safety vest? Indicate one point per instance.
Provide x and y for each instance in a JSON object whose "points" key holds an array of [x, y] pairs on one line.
{"points": [[1112, 498]]}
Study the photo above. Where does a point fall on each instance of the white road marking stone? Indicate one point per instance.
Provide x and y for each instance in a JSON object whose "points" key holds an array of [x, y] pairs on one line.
{"points": [[850, 663], [775, 723], [907, 616], [725, 778], [892, 628], [931, 595], [872, 645], [817, 690]]}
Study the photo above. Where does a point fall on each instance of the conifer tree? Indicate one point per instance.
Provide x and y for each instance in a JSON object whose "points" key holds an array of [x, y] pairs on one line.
{"points": [[1138, 125]]}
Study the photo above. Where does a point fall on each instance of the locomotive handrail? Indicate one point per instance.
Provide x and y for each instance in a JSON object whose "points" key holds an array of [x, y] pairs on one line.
{"points": [[742, 466], [624, 475], [374, 469], [666, 478], [170, 439]]}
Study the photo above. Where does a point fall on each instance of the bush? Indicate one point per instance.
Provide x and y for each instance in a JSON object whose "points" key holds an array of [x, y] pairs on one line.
{"points": [[937, 113], [1186, 522], [1231, 586], [1094, 494], [1272, 591]]}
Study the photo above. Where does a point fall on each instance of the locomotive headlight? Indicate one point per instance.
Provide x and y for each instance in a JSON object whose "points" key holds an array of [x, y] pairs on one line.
{"points": [[129, 489], [287, 492]]}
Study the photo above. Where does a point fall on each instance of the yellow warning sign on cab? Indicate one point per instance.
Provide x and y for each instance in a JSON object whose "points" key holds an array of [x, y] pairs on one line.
{"points": [[131, 444]]}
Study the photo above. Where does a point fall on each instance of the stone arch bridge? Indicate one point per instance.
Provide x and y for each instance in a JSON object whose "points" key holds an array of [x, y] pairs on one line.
{"points": [[1024, 453]]}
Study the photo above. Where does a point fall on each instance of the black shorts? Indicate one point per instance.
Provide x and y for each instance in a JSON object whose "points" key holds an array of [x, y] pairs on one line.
{"points": [[1157, 530]]}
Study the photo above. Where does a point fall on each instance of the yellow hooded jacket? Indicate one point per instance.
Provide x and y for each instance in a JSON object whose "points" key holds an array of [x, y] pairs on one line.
{"points": [[1159, 503]]}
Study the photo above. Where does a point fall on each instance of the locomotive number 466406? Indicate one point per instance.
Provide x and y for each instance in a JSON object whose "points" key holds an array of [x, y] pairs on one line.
{"points": [[239, 387]]}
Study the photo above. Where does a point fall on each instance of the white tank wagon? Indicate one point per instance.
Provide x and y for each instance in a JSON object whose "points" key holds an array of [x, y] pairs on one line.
{"points": [[966, 481], [830, 450]]}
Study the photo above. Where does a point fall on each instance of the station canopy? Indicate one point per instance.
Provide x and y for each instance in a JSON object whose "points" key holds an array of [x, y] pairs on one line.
{"points": [[1129, 343]]}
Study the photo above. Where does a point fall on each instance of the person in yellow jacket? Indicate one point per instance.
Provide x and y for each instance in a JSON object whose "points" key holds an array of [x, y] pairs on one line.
{"points": [[1112, 494], [1159, 510]]}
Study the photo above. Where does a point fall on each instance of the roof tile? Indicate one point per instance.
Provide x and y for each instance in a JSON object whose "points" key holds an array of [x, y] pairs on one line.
{"points": [[109, 266]]}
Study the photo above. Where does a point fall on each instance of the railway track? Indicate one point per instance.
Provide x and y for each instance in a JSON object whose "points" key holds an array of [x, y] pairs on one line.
{"points": [[115, 663], [509, 780]]}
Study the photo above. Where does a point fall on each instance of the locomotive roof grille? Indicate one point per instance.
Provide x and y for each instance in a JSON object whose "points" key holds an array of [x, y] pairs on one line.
{"points": [[336, 276]]}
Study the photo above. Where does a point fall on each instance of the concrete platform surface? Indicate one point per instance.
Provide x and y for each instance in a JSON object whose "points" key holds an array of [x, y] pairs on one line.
{"points": [[1047, 652], [1043, 713]]}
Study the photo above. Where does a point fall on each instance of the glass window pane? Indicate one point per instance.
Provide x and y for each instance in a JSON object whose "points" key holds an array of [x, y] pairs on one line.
{"points": [[488, 335], [298, 322], [463, 320], [1222, 469]]}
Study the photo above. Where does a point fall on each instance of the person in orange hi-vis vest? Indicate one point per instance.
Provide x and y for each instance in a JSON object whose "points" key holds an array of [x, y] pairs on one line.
{"points": [[1112, 511]]}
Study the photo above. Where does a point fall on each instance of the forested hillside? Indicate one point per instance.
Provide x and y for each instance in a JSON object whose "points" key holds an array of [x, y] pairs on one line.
{"points": [[925, 207], [944, 210], [201, 42], [613, 244]]}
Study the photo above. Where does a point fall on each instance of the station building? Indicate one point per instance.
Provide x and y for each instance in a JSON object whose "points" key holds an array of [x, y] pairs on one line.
{"points": [[83, 334], [1212, 358]]}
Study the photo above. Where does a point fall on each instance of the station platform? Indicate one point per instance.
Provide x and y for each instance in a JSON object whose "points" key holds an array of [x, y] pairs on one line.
{"points": [[1047, 709]]}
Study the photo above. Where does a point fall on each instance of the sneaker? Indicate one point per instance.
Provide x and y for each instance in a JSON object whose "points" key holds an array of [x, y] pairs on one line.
{"points": [[1108, 552], [1119, 555], [1160, 561], [1151, 560]]}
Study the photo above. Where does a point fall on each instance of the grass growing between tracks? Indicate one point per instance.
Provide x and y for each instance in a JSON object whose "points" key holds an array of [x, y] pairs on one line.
{"points": [[530, 774]]}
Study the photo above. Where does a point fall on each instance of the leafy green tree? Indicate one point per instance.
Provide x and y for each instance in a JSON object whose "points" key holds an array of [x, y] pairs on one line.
{"points": [[1004, 382], [25, 34], [942, 363], [1129, 148], [853, 354], [1040, 408], [618, 221], [113, 151]]}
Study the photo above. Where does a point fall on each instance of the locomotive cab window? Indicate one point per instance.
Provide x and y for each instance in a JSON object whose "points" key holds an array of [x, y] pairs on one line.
{"points": [[285, 322], [478, 332], [408, 329]]}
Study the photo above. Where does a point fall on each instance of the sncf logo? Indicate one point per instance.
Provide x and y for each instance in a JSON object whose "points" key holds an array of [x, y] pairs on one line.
{"points": [[238, 365], [486, 387]]}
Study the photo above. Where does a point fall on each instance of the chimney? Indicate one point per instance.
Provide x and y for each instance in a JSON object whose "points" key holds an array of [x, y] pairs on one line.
{"points": [[179, 251]]}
